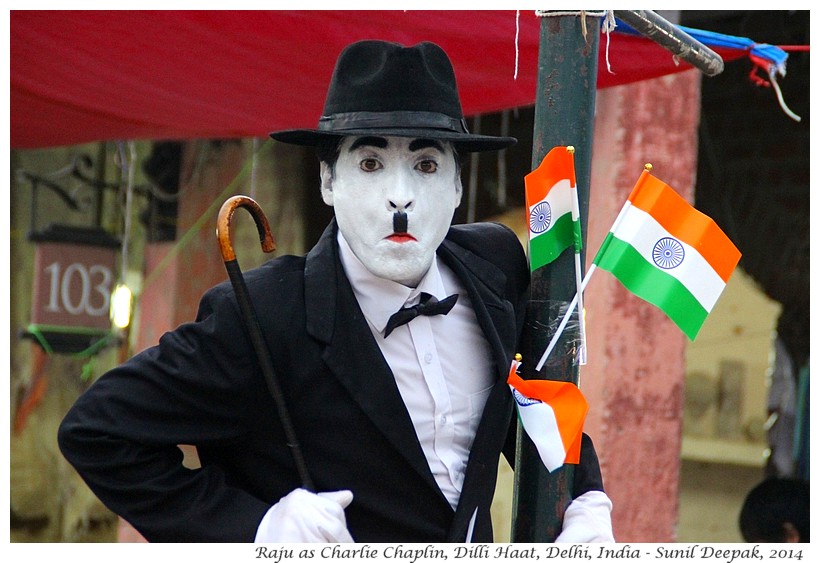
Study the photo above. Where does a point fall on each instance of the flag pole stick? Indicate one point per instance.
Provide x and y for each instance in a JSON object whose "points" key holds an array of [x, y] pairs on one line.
{"points": [[578, 245], [582, 347], [563, 324], [579, 296]]}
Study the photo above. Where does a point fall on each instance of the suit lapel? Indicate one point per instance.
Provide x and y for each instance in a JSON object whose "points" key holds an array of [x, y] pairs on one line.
{"points": [[334, 317], [485, 284]]}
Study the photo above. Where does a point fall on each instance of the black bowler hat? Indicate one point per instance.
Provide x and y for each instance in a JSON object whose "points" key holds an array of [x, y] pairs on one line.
{"points": [[386, 89]]}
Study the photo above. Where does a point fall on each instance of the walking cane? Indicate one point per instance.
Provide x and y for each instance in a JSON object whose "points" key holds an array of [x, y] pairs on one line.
{"points": [[223, 235]]}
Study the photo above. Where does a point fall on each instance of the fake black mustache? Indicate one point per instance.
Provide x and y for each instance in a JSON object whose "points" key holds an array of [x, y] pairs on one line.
{"points": [[399, 222]]}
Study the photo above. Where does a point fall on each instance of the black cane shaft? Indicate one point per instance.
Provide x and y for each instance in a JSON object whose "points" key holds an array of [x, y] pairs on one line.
{"points": [[261, 349]]}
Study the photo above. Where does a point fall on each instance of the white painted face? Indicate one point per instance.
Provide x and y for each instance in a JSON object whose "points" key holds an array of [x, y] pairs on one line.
{"points": [[394, 199]]}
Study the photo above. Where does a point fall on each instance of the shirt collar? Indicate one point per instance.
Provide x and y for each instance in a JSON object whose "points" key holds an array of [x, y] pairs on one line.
{"points": [[379, 298]]}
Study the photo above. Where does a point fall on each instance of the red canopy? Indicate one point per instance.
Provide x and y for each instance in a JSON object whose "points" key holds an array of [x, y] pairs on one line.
{"points": [[81, 76]]}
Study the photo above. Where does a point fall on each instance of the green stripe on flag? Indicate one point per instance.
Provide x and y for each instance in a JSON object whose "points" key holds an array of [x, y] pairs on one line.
{"points": [[546, 247], [578, 239], [652, 284]]}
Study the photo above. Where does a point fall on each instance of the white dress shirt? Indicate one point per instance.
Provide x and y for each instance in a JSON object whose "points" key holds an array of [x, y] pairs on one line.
{"points": [[441, 364]]}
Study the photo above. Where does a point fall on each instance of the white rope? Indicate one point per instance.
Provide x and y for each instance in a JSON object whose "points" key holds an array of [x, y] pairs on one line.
{"points": [[517, 29], [555, 13], [128, 165], [773, 79], [607, 26]]}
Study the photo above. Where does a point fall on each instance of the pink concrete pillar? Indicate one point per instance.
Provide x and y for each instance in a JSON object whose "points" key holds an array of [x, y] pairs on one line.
{"points": [[634, 378]]}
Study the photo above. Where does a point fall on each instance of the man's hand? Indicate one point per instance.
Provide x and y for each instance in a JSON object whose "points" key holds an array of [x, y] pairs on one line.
{"points": [[305, 517], [587, 520]]}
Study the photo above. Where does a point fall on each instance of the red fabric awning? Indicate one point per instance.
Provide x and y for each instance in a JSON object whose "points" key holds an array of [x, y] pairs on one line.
{"points": [[82, 76]]}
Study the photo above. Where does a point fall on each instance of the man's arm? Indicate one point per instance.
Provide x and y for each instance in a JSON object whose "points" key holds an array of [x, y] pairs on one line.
{"points": [[122, 433]]}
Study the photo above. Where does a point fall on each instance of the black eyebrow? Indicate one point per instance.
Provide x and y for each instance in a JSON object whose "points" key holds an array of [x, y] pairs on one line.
{"points": [[378, 142], [418, 144], [381, 142]]}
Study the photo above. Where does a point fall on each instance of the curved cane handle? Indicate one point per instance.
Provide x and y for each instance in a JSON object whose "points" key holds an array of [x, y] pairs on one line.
{"points": [[223, 225]]}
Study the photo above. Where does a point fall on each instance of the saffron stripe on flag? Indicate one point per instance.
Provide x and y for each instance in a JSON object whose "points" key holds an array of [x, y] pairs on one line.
{"points": [[686, 223], [652, 284], [556, 166]]}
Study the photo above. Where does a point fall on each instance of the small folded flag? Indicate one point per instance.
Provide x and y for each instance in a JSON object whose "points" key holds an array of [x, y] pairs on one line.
{"points": [[550, 192], [552, 414], [668, 253]]}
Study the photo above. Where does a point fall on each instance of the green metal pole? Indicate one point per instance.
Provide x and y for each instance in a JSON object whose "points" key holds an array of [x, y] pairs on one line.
{"points": [[564, 113]]}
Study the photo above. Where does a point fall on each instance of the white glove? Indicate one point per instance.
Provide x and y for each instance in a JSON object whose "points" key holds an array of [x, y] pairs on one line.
{"points": [[587, 520], [305, 517]]}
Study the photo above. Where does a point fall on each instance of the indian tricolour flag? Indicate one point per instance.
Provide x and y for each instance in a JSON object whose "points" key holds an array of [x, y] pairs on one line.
{"points": [[550, 192], [668, 253], [552, 414]]}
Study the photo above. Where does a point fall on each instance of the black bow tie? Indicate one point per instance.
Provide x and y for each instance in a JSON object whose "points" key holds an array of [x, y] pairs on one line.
{"points": [[427, 305]]}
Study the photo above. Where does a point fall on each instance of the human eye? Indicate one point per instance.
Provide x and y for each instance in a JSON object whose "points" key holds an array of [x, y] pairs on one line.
{"points": [[370, 165], [427, 166]]}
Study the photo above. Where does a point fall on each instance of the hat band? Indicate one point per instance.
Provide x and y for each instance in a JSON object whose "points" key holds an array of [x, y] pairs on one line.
{"points": [[357, 120]]}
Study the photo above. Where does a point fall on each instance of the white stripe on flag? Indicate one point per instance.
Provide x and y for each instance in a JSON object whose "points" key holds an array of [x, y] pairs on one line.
{"points": [[642, 231], [560, 202], [538, 420]]}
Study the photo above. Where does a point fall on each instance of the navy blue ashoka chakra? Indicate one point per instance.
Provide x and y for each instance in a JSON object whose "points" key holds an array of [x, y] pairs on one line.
{"points": [[668, 253], [522, 400], [540, 217]]}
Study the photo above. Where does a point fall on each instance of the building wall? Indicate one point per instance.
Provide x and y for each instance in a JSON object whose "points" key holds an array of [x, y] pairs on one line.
{"points": [[724, 447], [49, 502]]}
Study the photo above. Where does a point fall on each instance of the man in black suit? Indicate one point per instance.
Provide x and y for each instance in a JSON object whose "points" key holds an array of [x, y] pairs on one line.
{"points": [[401, 420]]}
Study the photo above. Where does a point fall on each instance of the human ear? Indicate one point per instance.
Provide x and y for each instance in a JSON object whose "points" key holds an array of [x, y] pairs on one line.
{"points": [[459, 191], [326, 176]]}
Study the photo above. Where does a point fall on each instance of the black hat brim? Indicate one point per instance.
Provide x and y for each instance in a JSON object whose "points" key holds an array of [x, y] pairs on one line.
{"points": [[463, 142]]}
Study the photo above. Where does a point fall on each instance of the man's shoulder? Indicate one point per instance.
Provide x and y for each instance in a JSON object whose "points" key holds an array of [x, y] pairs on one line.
{"points": [[484, 238], [280, 275], [495, 244], [282, 264]]}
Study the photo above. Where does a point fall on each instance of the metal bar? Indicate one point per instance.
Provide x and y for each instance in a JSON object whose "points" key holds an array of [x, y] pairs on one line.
{"points": [[672, 38], [564, 115]]}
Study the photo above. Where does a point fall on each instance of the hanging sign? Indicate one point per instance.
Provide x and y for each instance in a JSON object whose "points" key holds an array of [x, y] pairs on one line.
{"points": [[74, 276]]}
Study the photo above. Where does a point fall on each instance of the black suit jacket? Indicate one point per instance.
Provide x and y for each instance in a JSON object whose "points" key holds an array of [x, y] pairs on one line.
{"points": [[201, 385]]}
